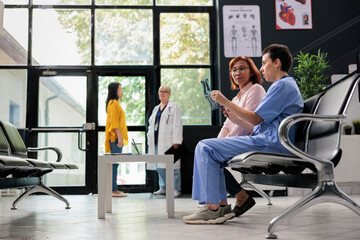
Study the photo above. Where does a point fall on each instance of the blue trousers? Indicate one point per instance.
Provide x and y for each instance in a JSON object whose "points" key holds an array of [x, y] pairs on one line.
{"points": [[115, 149], [162, 178], [211, 155]]}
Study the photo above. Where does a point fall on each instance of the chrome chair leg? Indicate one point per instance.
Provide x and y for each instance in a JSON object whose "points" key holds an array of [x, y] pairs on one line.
{"points": [[324, 192], [245, 184], [44, 189], [22, 196], [338, 196]]}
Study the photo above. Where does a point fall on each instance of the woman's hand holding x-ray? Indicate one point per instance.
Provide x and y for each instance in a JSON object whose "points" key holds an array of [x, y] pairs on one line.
{"points": [[217, 96]]}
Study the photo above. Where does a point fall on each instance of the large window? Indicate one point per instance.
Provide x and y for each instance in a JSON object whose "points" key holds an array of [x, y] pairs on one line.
{"points": [[59, 38], [14, 38], [58, 56], [192, 46], [185, 2], [62, 101], [194, 108], [9, 2], [124, 2], [132, 102], [123, 37], [58, 2], [13, 95]]}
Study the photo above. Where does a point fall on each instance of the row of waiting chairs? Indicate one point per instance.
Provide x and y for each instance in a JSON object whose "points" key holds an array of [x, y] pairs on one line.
{"points": [[17, 170]]}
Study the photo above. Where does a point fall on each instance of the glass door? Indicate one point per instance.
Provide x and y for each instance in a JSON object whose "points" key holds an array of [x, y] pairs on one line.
{"points": [[63, 100], [62, 104], [58, 103]]}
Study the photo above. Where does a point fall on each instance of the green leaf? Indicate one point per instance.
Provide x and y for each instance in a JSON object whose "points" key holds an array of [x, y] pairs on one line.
{"points": [[310, 73]]}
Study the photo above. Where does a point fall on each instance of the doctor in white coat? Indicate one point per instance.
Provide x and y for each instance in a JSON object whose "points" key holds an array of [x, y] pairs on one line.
{"points": [[165, 130]]}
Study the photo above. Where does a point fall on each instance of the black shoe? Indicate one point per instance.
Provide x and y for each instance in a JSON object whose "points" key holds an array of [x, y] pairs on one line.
{"points": [[249, 203]]}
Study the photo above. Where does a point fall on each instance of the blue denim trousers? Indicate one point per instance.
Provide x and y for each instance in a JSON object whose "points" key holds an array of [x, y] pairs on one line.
{"points": [[114, 149], [162, 178]]}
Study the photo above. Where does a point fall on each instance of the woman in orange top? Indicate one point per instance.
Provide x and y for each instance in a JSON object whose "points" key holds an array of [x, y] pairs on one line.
{"points": [[115, 131]]}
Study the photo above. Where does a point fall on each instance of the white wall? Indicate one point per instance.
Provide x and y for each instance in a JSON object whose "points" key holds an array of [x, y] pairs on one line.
{"points": [[13, 84]]}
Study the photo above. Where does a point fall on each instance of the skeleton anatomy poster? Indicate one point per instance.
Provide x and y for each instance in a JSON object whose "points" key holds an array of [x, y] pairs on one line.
{"points": [[293, 14], [242, 33]]}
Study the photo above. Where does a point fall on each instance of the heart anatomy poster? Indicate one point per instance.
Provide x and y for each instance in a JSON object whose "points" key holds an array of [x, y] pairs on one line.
{"points": [[242, 30], [293, 14]]}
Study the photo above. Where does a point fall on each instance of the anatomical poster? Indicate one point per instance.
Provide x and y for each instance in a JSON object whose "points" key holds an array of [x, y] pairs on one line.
{"points": [[293, 14], [242, 30]]}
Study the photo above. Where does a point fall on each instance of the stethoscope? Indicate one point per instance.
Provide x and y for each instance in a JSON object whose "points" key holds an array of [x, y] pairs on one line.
{"points": [[167, 120], [169, 114]]}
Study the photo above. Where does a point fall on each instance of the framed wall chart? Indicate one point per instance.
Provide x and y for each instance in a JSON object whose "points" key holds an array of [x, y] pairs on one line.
{"points": [[242, 30], [293, 14]]}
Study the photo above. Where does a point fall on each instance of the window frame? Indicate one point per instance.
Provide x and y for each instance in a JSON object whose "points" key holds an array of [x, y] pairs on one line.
{"points": [[92, 69]]}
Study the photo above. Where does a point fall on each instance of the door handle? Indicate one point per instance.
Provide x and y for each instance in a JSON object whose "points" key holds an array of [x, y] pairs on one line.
{"points": [[85, 127]]}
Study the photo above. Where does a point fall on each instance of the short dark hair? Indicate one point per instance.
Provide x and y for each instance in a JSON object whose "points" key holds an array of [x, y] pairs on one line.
{"points": [[281, 52], [112, 93]]}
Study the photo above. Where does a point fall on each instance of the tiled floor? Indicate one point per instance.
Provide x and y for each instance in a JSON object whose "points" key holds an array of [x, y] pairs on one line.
{"points": [[141, 216]]}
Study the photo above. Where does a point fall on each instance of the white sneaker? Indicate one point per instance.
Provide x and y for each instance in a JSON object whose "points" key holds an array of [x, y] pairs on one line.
{"points": [[177, 193], [160, 192], [204, 215]]}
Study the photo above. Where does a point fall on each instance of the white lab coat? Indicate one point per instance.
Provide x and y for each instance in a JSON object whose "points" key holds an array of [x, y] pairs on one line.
{"points": [[170, 131]]}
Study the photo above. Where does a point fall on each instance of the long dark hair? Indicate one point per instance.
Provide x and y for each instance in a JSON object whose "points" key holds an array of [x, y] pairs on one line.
{"points": [[112, 93]]}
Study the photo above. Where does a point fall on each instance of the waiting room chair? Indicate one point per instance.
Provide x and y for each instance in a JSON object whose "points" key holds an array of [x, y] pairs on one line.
{"points": [[316, 147], [19, 152]]}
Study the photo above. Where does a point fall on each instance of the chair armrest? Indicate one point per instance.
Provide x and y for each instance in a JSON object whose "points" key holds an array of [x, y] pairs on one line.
{"points": [[324, 167], [58, 151]]}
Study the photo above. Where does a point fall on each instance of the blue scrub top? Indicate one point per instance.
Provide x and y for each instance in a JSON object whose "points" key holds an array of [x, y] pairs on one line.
{"points": [[282, 99]]}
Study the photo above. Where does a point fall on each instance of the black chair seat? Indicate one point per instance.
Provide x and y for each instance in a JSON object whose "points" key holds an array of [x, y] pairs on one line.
{"points": [[304, 180], [71, 166], [6, 171], [38, 163], [268, 163], [57, 165], [13, 161], [41, 166], [15, 166]]}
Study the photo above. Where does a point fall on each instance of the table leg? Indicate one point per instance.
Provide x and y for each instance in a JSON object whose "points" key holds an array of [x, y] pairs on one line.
{"points": [[101, 189], [108, 194], [170, 189]]}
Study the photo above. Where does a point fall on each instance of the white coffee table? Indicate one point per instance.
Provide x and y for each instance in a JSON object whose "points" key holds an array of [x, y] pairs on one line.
{"points": [[105, 179]]}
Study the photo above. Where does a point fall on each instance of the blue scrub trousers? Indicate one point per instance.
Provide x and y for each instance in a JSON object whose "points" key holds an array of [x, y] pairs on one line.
{"points": [[115, 149], [211, 155], [162, 178]]}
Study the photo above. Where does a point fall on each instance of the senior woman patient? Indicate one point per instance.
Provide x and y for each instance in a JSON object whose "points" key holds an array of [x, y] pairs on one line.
{"points": [[245, 77], [281, 100]]}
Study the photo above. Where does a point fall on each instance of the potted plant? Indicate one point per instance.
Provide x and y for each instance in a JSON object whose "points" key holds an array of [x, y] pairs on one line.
{"points": [[347, 129], [356, 124], [310, 73]]}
